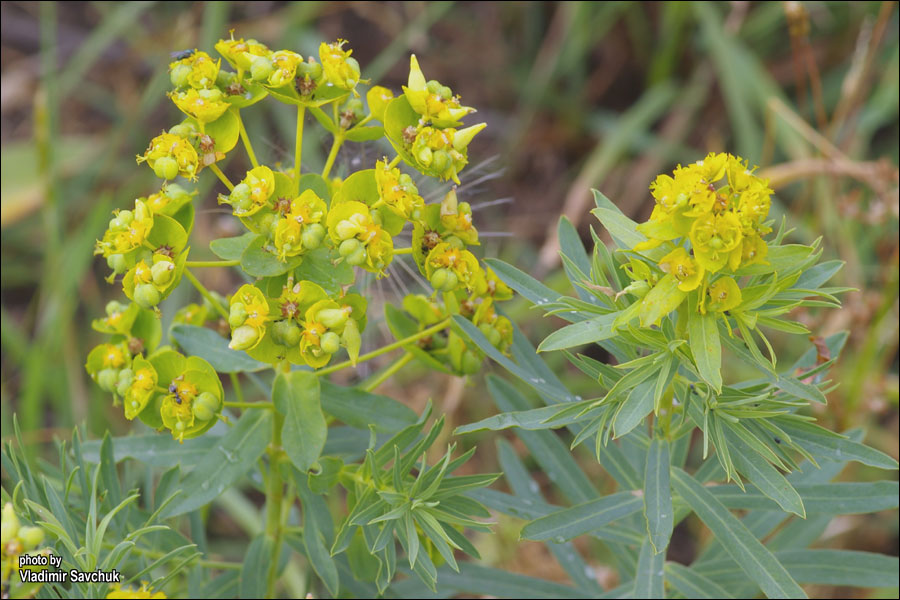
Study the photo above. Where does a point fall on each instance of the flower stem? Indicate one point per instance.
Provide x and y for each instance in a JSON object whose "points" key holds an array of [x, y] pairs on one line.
{"points": [[387, 372], [205, 293], [394, 162], [335, 146], [274, 497], [236, 386], [298, 148], [398, 251], [215, 169], [213, 263], [265, 405], [385, 349], [246, 139]]}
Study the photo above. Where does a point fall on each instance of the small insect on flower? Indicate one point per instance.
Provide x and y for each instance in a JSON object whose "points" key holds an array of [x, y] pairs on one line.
{"points": [[182, 54]]}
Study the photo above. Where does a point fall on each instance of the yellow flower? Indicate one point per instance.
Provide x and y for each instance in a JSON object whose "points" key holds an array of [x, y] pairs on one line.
{"points": [[685, 269], [285, 65], [204, 105], [300, 228], [170, 146], [435, 102], [724, 294], [241, 53], [198, 71], [340, 69], [397, 191], [716, 240]]}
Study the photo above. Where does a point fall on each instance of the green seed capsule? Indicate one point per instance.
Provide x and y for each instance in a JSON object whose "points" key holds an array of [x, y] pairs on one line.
{"points": [[184, 130], [116, 262], [10, 524], [113, 307], [348, 247], [126, 375], [125, 217], [166, 167], [146, 295], [452, 281], [716, 243], [286, 333], [439, 279], [310, 239], [446, 92], [163, 272], [330, 342], [31, 537], [455, 242], [495, 338], [470, 364], [332, 318], [440, 160], [346, 229], [179, 75], [237, 314], [107, 379], [313, 70], [205, 406], [357, 258], [425, 156], [433, 86], [261, 68], [243, 337]]}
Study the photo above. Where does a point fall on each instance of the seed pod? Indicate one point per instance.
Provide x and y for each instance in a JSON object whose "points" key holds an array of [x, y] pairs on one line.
{"points": [[113, 307], [9, 524], [439, 279], [162, 272], [312, 69], [125, 217], [470, 363], [184, 130], [312, 236], [332, 318], [452, 281], [237, 314], [107, 379], [146, 295], [261, 68], [31, 537], [440, 160], [330, 342], [243, 337], [166, 167], [348, 247], [116, 262], [358, 257], [179, 75], [346, 229], [286, 333], [205, 406]]}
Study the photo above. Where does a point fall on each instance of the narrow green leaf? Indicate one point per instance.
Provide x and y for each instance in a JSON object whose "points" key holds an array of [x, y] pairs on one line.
{"points": [[757, 562], [255, 568], [823, 443], [635, 407], [648, 579], [763, 475], [658, 495], [691, 584], [360, 409], [577, 334], [571, 522], [230, 458], [706, 347], [534, 419], [209, 345], [526, 285], [317, 534], [841, 498], [296, 394]]}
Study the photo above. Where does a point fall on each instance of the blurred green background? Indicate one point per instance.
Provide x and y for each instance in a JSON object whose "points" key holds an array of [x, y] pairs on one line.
{"points": [[576, 95]]}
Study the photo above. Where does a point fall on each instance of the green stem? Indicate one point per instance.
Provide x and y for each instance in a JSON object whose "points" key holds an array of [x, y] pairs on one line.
{"points": [[212, 564], [394, 162], [298, 148], [236, 386], [246, 139], [385, 349], [205, 293], [241, 404], [215, 169], [213, 263], [399, 251], [388, 371], [274, 497], [335, 146]]}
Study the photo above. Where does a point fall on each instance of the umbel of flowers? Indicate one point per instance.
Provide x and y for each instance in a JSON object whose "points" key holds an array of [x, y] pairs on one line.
{"points": [[308, 235]]}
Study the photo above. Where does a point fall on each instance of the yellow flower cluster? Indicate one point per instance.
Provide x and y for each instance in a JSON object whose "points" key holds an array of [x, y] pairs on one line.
{"points": [[712, 214], [196, 94]]}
